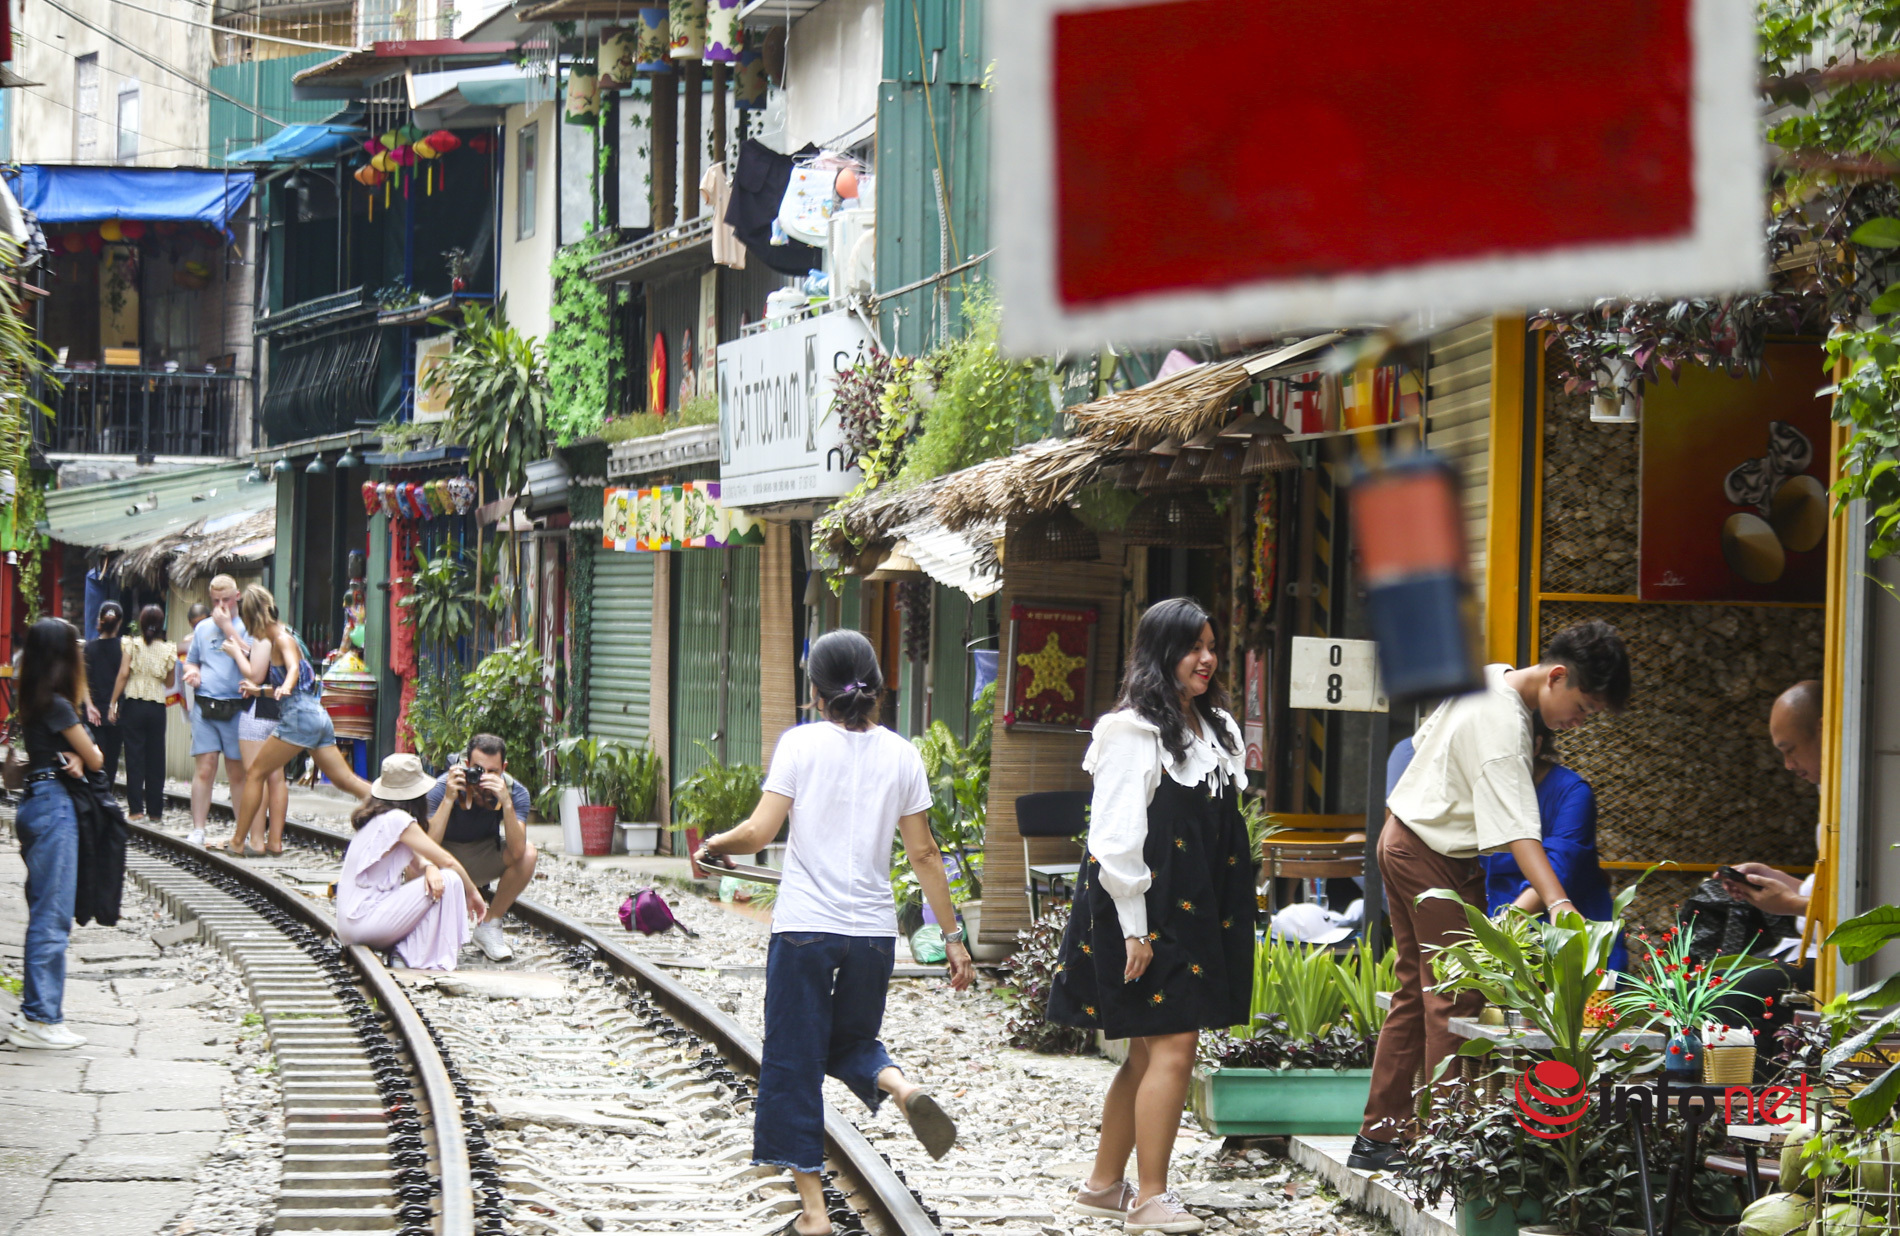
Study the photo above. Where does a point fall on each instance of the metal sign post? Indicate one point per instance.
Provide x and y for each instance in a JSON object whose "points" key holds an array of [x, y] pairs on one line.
{"points": [[1342, 675]]}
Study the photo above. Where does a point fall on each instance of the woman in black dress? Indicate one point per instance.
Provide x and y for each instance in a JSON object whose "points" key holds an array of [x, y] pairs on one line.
{"points": [[1160, 944], [103, 658]]}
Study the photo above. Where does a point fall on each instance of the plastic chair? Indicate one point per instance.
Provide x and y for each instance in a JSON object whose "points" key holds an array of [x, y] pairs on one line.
{"points": [[1053, 813]]}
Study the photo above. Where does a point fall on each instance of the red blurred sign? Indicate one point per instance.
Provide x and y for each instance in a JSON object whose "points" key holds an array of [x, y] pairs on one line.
{"points": [[1237, 165]]}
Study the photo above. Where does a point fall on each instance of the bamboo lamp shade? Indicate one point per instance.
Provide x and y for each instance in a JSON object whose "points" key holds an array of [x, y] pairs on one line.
{"points": [[1053, 536], [1176, 520]]}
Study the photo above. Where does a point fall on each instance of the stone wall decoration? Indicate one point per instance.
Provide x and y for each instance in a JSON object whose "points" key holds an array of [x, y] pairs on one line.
{"points": [[1734, 495], [1590, 502]]}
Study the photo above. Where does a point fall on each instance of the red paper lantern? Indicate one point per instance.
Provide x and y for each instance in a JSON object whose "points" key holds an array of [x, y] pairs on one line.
{"points": [[132, 229], [96, 243], [372, 501], [444, 141], [481, 143], [72, 242]]}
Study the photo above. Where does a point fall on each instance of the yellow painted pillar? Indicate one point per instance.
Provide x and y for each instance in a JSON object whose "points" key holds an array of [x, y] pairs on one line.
{"points": [[1504, 491]]}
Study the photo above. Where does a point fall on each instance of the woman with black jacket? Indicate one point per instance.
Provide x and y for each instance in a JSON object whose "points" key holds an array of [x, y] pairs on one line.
{"points": [[104, 656], [59, 753]]}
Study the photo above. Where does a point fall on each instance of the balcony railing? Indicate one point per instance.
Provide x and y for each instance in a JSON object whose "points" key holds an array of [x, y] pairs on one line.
{"points": [[144, 412]]}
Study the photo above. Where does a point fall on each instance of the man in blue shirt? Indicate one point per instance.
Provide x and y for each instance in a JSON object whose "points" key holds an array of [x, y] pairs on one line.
{"points": [[479, 813], [214, 677]]}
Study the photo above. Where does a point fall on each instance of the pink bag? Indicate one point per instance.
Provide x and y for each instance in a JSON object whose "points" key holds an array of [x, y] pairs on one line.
{"points": [[647, 912]]}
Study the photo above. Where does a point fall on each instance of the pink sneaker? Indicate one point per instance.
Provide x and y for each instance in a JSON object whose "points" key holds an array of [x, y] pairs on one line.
{"points": [[1164, 1212], [1110, 1203]]}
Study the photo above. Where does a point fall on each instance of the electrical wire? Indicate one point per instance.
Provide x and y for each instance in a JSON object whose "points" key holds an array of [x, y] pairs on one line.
{"points": [[156, 148], [242, 34], [167, 66], [140, 82]]}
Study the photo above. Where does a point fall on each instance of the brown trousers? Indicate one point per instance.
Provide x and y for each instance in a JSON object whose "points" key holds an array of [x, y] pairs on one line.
{"points": [[1417, 1030]]}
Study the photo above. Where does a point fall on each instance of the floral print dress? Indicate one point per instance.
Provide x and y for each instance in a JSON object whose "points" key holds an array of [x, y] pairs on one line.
{"points": [[1199, 896]]}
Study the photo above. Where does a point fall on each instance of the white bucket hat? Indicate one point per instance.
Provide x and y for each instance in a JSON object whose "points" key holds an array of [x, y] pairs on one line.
{"points": [[402, 779]]}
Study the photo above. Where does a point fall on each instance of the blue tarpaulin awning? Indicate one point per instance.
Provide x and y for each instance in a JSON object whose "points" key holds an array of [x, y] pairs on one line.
{"points": [[297, 142], [63, 194]]}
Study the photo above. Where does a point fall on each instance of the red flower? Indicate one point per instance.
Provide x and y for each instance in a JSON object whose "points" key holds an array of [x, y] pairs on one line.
{"points": [[1769, 1001]]}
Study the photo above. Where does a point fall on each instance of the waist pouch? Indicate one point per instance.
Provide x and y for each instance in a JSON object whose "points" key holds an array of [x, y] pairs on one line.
{"points": [[218, 710]]}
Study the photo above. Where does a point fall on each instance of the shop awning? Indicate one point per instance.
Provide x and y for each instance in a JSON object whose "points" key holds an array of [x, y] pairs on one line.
{"points": [[146, 510], [297, 142], [488, 85], [62, 194]]}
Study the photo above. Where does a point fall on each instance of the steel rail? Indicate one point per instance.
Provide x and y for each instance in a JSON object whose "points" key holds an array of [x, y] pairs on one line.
{"points": [[445, 1108], [877, 1182]]}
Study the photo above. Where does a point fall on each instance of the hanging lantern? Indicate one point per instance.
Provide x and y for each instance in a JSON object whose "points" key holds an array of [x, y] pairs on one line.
{"points": [[372, 501], [617, 44], [132, 229], [390, 140], [583, 96], [1053, 536], [384, 162], [444, 141], [653, 39], [725, 37], [1179, 521], [408, 133], [96, 243], [688, 21], [110, 231], [748, 88], [369, 176], [404, 156], [72, 242], [481, 143], [425, 149], [374, 146]]}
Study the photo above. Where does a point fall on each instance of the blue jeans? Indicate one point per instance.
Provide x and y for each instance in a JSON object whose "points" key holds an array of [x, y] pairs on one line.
{"points": [[49, 845], [824, 1004]]}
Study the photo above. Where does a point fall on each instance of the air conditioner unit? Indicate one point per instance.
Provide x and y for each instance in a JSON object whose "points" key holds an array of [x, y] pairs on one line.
{"points": [[851, 256]]}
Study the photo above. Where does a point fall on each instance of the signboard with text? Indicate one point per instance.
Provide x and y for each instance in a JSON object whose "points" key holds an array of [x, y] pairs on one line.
{"points": [[778, 438], [1337, 674]]}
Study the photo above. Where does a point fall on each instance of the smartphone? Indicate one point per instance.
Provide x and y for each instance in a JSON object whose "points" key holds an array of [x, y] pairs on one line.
{"points": [[1730, 873]]}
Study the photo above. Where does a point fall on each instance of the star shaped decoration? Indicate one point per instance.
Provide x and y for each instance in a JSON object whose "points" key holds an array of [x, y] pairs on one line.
{"points": [[1050, 669]]}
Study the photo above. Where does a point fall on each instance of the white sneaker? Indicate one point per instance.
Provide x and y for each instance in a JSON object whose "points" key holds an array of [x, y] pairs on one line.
{"points": [[40, 1036], [487, 936], [196, 836]]}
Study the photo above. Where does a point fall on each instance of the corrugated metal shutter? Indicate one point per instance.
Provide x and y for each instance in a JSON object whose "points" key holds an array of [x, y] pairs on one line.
{"points": [[266, 86], [950, 662], [743, 742], [698, 605], [620, 648], [1458, 411]]}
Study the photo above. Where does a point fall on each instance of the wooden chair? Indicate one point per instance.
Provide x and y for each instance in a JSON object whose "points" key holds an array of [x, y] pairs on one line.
{"points": [[1053, 813], [1291, 858]]}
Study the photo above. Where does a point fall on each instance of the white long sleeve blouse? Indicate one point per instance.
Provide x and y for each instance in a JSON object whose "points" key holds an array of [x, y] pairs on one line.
{"points": [[1126, 760]]}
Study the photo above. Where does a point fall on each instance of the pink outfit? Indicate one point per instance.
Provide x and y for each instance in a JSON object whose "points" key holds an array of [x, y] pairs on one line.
{"points": [[377, 908]]}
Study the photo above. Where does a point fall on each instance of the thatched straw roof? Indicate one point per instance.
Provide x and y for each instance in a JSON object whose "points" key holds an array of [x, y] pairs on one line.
{"points": [[1179, 405], [202, 549], [1032, 478]]}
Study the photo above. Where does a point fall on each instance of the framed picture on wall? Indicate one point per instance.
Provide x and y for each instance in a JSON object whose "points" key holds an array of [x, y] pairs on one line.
{"points": [[1050, 664]]}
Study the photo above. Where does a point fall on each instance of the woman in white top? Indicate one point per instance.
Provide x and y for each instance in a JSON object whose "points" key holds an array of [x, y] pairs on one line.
{"points": [[847, 784], [1160, 944]]}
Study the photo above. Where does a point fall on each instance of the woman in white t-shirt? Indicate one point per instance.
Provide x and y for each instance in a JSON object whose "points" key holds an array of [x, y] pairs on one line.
{"points": [[847, 784]]}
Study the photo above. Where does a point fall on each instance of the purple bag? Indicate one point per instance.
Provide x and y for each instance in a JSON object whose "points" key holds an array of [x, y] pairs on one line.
{"points": [[647, 912]]}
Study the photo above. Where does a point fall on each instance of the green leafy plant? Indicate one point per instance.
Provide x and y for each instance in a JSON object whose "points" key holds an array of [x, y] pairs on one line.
{"points": [[701, 409], [716, 797], [25, 372], [402, 437], [1028, 976], [1298, 983], [497, 394], [441, 606], [586, 357], [435, 715], [959, 777], [633, 425], [505, 695], [1520, 928], [632, 779], [1362, 976], [1668, 985], [985, 402]]}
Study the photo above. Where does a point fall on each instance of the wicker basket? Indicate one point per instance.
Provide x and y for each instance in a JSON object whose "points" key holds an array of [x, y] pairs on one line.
{"points": [[1728, 1066]]}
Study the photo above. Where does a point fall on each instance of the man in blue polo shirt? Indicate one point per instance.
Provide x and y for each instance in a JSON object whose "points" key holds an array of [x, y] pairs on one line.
{"points": [[214, 677]]}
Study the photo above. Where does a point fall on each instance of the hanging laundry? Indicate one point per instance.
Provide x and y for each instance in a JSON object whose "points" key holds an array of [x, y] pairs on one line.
{"points": [[716, 191], [757, 192]]}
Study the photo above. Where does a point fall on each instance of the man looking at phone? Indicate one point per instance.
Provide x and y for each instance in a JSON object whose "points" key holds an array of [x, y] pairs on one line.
{"points": [[478, 813], [1794, 726]]}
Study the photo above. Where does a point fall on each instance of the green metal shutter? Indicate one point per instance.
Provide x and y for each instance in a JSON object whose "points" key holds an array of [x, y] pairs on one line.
{"points": [[620, 648], [695, 657], [950, 663], [706, 600]]}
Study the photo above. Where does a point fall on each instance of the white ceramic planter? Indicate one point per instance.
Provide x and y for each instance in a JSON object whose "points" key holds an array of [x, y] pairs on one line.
{"points": [[571, 800], [640, 838]]}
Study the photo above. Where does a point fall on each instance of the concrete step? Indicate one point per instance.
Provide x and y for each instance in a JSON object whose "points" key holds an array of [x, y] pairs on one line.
{"points": [[336, 1219]]}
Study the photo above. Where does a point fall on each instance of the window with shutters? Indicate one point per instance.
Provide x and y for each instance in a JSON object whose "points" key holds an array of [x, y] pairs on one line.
{"points": [[86, 108], [128, 147], [526, 189]]}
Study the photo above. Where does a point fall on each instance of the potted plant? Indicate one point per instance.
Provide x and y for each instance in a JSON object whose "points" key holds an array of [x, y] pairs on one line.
{"points": [[1304, 1065], [716, 797], [1668, 985], [583, 766], [630, 777], [959, 775]]}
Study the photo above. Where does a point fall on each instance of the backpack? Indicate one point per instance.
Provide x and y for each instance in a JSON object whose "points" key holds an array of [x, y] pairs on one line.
{"points": [[647, 912], [1721, 926]]}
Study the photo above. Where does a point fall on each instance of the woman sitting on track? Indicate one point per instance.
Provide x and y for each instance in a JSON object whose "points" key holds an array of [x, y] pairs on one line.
{"points": [[425, 917]]}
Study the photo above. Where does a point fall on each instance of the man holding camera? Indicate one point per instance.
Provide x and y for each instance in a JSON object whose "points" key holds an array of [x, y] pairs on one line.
{"points": [[478, 813]]}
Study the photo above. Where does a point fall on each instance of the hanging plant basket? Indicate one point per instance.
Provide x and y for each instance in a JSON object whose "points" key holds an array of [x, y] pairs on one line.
{"points": [[1178, 521]]}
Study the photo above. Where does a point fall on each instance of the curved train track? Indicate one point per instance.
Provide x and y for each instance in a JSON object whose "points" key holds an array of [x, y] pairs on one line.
{"points": [[637, 1053]]}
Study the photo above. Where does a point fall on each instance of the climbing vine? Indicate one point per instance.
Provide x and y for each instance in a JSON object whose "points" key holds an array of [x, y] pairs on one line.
{"points": [[585, 356]]}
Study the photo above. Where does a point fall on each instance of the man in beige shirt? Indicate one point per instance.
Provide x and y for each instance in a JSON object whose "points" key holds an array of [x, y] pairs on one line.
{"points": [[1468, 791]]}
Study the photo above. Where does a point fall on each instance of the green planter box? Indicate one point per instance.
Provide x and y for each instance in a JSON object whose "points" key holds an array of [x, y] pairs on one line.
{"points": [[1278, 1102], [1503, 1221]]}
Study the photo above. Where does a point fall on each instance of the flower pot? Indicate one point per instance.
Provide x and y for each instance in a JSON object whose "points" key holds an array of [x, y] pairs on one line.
{"points": [[1682, 1059], [640, 838], [597, 829], [571, 802], [1279, 1102], [972, 912], [1504, 1221]]}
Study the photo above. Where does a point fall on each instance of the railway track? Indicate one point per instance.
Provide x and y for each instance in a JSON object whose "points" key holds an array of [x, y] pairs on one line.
{"points": [[598, 1092]]}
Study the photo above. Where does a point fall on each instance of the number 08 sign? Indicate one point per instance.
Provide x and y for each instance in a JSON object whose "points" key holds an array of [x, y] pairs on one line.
{"points": [[1340, 674]]}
